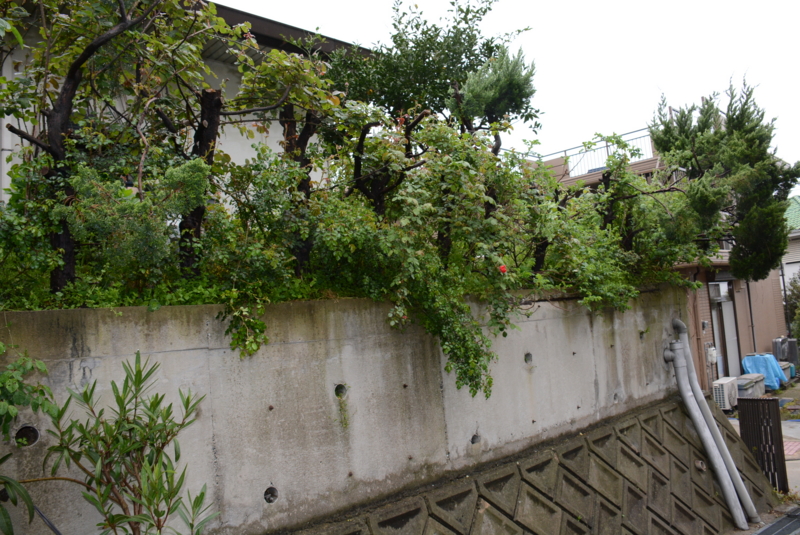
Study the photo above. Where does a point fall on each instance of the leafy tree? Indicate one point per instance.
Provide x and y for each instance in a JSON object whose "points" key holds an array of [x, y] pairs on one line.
{"points": [[739, 185], [426, 62]]}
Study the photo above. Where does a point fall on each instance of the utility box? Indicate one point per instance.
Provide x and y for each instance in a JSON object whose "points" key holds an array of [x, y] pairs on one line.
{"points": [[751, 385], [785, 349], [787, 369]]}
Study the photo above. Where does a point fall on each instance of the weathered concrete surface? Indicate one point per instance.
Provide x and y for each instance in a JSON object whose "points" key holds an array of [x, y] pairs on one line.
{"points": [[632, 475], [274, 419]]}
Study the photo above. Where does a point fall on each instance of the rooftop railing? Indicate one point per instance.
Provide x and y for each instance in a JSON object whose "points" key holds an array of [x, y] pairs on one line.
{"points": [[583, 161]]}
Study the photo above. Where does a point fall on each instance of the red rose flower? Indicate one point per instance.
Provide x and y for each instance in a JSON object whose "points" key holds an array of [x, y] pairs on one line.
{"points": [[502, 269]]}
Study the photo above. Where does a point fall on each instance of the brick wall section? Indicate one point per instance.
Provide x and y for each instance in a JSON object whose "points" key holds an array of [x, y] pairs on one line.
{"points": [[699, 311]]}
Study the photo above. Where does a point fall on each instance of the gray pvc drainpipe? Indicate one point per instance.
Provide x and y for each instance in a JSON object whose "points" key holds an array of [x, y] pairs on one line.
{"points": [[675, 355], [736, 478]]}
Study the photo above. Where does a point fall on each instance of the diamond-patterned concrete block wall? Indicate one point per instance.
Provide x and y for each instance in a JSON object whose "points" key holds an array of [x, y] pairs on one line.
{"points": [[644, 474]]}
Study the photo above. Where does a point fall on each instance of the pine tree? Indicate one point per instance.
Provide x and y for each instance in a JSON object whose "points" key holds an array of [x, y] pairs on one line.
{"points": [[729, 149]]}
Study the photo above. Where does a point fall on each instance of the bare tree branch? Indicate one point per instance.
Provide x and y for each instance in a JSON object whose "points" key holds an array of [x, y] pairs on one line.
{"points": [[263, 108], [29, 138], [122, 12], [359, 152]]}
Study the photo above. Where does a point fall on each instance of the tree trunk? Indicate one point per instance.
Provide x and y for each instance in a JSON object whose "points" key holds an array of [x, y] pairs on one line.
{"points": [[64, 274], [205, 141], [296, 145]]}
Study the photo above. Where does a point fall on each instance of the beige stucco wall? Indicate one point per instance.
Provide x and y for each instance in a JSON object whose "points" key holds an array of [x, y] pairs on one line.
{"points": [[273, 419]]}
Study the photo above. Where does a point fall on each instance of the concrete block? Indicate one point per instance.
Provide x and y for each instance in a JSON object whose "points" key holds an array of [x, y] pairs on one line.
{"points": [[763, 498], [706, 507], [674, 443], [654, 454], [702, 475], [690, 434], [605, 480], [407, 517], [603, 442], [680, 480], [634, 510], [652, 422], [573, 526], [659, 498], [607, 518], [573, 496], [537, 513], [541, 471], [490, 521], [734, 443], [356, 526], [705, 529], [433, 527], [727, 524], [630, 465], [684, 520], [454, 504], [659, 527], [574, 456], [500, 487], [630, 432], [749, 465], [674, 414]]}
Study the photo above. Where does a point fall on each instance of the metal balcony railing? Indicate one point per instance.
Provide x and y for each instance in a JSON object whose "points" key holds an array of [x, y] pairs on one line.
{"points": [[583, 161]]}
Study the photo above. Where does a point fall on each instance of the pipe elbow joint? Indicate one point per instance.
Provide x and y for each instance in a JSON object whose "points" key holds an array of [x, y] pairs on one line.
{"points": [[679, 326]]}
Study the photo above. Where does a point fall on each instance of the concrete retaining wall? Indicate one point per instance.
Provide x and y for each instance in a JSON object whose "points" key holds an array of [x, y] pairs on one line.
{"points": [[274, 419], [643, 473]]}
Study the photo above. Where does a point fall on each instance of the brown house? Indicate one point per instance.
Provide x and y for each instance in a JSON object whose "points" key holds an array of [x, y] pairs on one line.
{"points": [[727, 317]]}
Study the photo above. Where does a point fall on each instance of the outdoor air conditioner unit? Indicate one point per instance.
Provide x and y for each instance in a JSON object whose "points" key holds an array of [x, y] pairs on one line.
{"points": [[791, 351], [785, 349], [726, 392]]}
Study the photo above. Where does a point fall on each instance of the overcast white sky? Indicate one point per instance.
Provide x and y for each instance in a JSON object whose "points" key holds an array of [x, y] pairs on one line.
{"points": [[603, 66]]}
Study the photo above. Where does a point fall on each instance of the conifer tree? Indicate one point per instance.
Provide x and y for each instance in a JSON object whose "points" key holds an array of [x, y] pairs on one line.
{"points": [[729, 151]]}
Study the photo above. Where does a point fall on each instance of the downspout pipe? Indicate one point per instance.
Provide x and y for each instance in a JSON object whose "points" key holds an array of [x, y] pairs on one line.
{"points": [[722, 447], [675, 355]]}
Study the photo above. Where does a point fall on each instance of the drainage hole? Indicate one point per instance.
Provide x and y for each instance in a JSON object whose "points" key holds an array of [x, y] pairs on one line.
{"points": [[700, 465], [27, 436], [271, 495], [340, 391], [528, 358], [475, 439]]}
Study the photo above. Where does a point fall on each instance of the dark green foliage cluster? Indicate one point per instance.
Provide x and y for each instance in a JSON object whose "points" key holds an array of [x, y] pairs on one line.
{"points": [[739, 186], [501, 87]]}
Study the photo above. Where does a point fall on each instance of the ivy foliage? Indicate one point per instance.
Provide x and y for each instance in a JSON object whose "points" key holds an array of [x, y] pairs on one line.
{"points": [[739, 185]]}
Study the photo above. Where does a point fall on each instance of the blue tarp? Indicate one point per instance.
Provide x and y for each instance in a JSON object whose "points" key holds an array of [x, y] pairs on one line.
{"points": [[767, 365]]}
